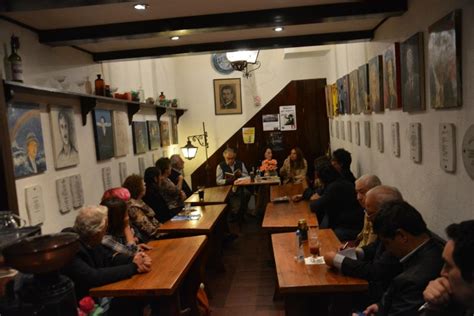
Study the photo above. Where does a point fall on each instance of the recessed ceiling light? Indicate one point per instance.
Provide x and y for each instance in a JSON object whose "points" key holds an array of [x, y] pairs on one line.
{"points": [[278, 29], [174, 38], [141, 6]]}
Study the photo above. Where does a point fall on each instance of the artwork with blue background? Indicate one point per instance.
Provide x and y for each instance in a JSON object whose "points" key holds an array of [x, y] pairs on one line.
{"points": [[103, 134]]}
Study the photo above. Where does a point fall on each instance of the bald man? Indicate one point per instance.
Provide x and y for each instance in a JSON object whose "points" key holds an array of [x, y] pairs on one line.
{"points": [[362, 186]]}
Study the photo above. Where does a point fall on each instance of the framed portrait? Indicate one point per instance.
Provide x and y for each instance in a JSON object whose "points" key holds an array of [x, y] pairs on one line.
{"points": [[227, 96], [413, 73], [375, 84], [363, 73], [444, 56], [391, 77], [103, 134], [140, 137], [154, 140], [63, 133], [26, 136], [165, 133], [121, 139], [354, 92]]}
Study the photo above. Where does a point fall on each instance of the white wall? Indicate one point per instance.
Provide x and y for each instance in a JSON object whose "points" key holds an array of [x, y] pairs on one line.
{"points": [[441, 197]]}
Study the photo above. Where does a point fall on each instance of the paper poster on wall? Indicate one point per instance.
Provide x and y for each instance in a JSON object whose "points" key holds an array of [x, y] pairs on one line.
{"points": [[63, 189], [34, 204], [248, 134], [77, 191], [288, 117], [275, 141], [271, 122], [107, 178]]}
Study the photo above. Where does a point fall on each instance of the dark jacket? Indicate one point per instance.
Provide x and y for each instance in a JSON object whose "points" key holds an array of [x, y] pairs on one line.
{"points": [[347, 174], [154, 200], [378, 267], [405, 293], [174, 178], [92, 267]]}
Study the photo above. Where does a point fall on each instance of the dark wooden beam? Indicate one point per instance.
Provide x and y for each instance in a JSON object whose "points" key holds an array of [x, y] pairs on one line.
{"points": [[260, 43], [224, 22], [28, 5]]}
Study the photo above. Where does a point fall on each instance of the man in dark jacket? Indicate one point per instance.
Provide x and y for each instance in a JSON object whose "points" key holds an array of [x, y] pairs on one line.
{"points": [[341, 160], [177, 166], [404, 234]]}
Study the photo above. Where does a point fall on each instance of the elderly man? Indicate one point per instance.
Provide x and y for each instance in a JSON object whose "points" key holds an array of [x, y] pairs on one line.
{"points": [[453, 292], [177, 166], [362, 186], [373, 263], [403, 232], [94, 265]]}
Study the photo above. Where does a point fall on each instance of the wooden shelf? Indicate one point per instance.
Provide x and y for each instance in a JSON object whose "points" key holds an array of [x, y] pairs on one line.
{"points": [[88, 101]]}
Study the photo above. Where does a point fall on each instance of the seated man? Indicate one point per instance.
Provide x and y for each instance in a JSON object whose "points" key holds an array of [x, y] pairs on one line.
{"points": [[94, 265], [403, 232], [453, 292], [177, 166], [341, 160], [227, 172], [374, 264], [362, 186]]}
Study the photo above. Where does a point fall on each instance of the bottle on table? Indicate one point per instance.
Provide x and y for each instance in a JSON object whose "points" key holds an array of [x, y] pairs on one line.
{"points": [[14, 60], [299, 247], [99, 86], [303, 228]]}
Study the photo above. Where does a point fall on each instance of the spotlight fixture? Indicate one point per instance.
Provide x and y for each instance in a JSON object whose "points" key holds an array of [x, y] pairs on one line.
{"points": [[174, 38], [278, 28], [141, 6]]}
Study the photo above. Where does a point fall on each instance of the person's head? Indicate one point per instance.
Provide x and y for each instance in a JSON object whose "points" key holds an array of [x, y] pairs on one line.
{"points": [[177, 162], [376, 197], [91, 224], [229, 156], [152, 176], [64, 127], [117, 215], [341, 159], [296, 158], [227, 94], [400, 227], [135, 185], [458, 256], [164, 165], [31, 145], [268, 153], [363, 185], [326, 173], [119, 193]]}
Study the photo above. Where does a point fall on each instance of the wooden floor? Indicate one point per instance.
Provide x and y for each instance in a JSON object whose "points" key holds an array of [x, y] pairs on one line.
{"points": [[247, 286]]}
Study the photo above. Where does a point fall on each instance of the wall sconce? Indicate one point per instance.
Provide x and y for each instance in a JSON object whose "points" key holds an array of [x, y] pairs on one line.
{"points": [[241, 59], [189, 150]]}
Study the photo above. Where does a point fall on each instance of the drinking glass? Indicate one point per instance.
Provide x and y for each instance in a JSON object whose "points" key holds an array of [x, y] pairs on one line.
{"points": [[314, 244], [201, 193]]}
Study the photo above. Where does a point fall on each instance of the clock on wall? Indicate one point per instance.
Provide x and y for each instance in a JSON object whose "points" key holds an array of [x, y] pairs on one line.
{"points": [[221, 64]]}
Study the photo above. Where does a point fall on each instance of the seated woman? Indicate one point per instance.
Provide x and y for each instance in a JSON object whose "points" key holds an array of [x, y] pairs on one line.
{"points": [[337, 208], [154, 199], [141, 215], [171, 193], [294, 167], [269, 165]]}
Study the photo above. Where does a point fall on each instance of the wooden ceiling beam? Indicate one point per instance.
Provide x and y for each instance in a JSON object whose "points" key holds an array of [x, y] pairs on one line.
{"points": [[29, 5]]}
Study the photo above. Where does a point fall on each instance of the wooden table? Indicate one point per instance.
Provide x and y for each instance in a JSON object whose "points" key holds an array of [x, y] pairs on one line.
{"points": [[295, 279], [213, 195], [175, 264], [288, 189], [246, 181], [283, 217]]}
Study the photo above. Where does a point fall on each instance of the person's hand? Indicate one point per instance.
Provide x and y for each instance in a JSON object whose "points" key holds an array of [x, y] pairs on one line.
{"points": [[182, 195], [438, 291], [329, 258], [371, 310], [144, 247], [297, 197], [238, 173], [314, 197], [143, 262]]}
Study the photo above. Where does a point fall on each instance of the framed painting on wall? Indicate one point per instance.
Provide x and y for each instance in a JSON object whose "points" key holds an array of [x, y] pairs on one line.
{"points": [[140, 137], [375, 84], [328, 94], [121, 140], [346, 93], [174, 129], [444, 56], [341, 99], [26, 137], [413, 73], [335, 100], [391, 77], [354, 92], [227, 96], [154, 140], [165, 133], [63, 133], [103, 134], [364, 88]]}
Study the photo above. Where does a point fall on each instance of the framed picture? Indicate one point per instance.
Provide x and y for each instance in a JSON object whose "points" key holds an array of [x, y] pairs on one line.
{"points": [[26, 136], [341, 99], [174, 129], [364, 88], [444, 56], [140, 137], [165, 133], [354, 92], [121, 139], [154, 140], [335, 99], [391, 77], [103, 134], [375, 84], [413, 73], [346, 93], [227, 96], [63, 133]]}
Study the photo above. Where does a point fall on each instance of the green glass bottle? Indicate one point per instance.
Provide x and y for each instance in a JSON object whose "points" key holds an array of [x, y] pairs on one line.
{"points": [[14, 59]]}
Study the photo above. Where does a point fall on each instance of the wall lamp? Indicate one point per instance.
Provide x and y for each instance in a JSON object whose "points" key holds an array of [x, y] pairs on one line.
{"points": [[189, 150], [241, 59]]}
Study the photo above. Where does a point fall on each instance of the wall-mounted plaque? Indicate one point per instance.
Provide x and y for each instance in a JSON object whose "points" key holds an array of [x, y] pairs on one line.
{"points": [[343, 130], [141, 166], [380, 137], [468, 151], [77, 191], [357, 133], [349, 131], [63, 189], [107, 178], [34, 204], [367, 133], [337, 129], [415, 142], [123, 171], [396, 139], [447, 147]]}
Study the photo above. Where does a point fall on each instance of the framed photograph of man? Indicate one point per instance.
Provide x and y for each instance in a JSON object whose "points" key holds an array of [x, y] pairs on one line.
{"points": [[375, 84], [363, 73], [103, 134], [391, 77], [444, 56], [227, 96], [354, 92], [154, 135], [140, 137], [63, 133], [413, 77]]}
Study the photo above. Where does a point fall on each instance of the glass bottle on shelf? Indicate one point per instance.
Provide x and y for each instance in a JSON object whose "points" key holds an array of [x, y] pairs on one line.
{"points": [[99, 86], [6, 64], [88, 86], [161, 99], [14, 59]]}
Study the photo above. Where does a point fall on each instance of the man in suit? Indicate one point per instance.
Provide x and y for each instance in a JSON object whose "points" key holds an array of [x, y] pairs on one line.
{"points": [[228, 97], [373, 263], [177, 166], [404, 234]]}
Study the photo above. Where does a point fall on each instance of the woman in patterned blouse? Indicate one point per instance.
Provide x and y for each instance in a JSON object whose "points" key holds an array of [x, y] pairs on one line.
{"points": [[171, 193]]}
